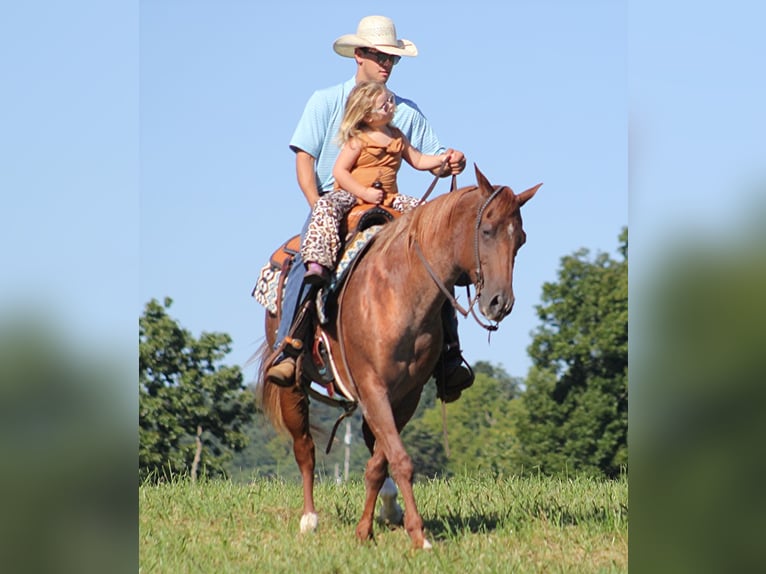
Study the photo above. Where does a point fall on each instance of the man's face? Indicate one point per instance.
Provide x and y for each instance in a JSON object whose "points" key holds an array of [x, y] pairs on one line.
{"points": [[375, 66]]}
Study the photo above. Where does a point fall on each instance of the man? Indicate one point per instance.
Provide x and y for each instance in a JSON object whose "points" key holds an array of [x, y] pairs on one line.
{"points": [[375, 50]]}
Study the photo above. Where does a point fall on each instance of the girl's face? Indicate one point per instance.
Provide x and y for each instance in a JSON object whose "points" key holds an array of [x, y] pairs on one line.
{"points": [[384, 108]]}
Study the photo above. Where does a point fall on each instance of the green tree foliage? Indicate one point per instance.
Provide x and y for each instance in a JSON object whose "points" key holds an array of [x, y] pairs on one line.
{"points": [[576, 401], [509, 387], [480, 428], [192, 410], [423, 439]]}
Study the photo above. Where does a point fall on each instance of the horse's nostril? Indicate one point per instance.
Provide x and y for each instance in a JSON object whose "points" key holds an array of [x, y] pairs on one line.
{"points": [[501, 304]]}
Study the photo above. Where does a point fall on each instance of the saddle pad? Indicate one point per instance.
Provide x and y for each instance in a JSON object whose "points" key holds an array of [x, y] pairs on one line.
{"points": [[266, 287], [354, 248]]}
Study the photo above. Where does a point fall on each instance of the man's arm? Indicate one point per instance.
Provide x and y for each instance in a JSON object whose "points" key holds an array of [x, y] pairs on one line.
{"points": [[304, 170]]}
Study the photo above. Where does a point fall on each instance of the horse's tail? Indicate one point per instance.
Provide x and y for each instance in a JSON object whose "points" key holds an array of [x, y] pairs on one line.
{"points": [[267, 396]]}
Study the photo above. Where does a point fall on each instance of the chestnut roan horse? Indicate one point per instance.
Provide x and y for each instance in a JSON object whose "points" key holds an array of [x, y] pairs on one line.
{"points": [[389, 331]]}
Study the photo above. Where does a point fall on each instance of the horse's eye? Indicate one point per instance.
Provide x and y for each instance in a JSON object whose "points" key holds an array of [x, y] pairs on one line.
{"points": [[486, 232]]}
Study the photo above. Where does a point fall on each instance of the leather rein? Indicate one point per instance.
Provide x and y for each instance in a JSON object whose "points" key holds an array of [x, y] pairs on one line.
{"points": [[479, 283]]}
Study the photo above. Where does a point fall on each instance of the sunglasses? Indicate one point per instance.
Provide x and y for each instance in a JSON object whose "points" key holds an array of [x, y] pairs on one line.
{"points": [[389, 104], [380, 57]]}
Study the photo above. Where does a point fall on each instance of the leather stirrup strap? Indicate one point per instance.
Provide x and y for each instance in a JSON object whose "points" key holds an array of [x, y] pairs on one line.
{"points": [[348, 412]]}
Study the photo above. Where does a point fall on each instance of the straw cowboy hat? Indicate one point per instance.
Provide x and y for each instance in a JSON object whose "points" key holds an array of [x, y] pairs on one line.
{"points": [[375, 32]]}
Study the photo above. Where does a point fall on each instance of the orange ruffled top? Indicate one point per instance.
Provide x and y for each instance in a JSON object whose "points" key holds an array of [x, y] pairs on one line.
{"points": [[381, 163]]}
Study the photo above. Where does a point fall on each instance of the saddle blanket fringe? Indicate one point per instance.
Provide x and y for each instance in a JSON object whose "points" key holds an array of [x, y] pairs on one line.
{"points": [[267, 285]]}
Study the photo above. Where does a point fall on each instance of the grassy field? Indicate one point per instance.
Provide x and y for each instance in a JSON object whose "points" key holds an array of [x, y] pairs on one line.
{"points": [[476, 525]]}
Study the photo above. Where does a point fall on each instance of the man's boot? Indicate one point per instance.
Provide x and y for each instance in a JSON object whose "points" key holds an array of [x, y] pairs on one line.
{"points": [[282, 373], [452, 377]]}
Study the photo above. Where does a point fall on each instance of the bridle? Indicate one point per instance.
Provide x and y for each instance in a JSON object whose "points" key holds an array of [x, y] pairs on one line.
{"points": [[479, 282]]}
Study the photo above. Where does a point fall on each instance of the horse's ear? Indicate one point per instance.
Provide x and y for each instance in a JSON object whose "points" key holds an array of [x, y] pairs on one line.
{"points": [[525, 196], [482, 181]]}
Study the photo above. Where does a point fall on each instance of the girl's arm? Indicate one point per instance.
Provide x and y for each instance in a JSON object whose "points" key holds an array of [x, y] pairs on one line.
{"points": [[347, 157], [422, 161]]}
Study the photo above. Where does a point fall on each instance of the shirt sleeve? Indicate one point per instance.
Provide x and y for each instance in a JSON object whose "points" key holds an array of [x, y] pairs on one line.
{"points": [[309, 134], [419, 131]]}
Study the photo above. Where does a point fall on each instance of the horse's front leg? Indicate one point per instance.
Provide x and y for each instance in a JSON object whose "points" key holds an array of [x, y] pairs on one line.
{"points": [[380, 418], [374, 475], [295, 413], [391, 514]]}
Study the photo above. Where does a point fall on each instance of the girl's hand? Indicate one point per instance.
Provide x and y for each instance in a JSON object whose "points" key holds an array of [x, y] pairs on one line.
{"points": [[372, 195]]}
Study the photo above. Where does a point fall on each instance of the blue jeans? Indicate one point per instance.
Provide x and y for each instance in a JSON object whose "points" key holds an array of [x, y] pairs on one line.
{"points": [[294, 294]]}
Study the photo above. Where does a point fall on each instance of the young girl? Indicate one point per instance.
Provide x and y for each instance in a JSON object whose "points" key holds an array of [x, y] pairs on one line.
{"points": [[365, 172]]}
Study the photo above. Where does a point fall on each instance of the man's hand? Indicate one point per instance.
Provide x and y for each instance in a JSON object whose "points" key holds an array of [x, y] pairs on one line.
{"points": [[456, 162]]}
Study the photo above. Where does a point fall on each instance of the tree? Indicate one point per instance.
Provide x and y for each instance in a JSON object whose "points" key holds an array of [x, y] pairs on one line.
{"points": [[510, 387], [192, 410], [480, 428], [576, 401]]}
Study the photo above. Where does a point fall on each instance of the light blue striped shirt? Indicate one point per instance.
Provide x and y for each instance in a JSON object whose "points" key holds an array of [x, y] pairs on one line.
{"points": [[318, 128]]}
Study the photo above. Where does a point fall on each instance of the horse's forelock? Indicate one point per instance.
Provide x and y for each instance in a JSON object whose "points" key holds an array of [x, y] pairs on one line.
{"points": [[505, 202]]}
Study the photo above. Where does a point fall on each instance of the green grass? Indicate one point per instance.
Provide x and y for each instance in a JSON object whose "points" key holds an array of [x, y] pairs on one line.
{"points": [[476, 525]]}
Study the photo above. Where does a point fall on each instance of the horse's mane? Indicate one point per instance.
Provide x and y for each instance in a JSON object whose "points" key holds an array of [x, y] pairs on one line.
{"points": [[420, 223]]}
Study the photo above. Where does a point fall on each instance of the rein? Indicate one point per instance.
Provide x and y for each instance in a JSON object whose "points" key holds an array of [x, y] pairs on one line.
{"points": [[437, 177], [479, 275]]}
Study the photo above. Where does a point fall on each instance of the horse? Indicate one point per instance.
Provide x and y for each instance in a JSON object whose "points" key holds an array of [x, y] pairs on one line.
{"points": [[388, 329]]}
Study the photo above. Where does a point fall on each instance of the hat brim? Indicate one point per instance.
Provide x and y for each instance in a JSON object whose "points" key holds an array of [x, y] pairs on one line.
{"points": [[345, 46]]}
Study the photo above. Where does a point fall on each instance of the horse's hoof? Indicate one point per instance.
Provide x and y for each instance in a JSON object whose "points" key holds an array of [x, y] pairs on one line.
{"points": [[364, 532], [309, 522], [426, 544], [391, 514]]}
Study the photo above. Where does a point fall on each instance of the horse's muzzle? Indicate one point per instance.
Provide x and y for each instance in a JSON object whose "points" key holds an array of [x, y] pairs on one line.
{"points": [[499, 306]]}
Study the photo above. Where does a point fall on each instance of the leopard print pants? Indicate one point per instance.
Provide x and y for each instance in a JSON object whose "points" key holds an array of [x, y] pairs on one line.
{"points": [[322, 241]]}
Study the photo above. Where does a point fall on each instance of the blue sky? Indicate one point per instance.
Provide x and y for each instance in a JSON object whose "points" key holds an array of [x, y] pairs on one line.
{"points": [[527, 96], [144, 146]]}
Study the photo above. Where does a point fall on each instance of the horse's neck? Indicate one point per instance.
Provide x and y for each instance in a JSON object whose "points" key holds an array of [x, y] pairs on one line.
{"points": [[441, 247], [420, 262]]}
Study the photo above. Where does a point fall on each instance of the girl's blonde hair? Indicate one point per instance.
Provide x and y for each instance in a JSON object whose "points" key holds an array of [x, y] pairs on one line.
{"points": [[360, 104]]}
